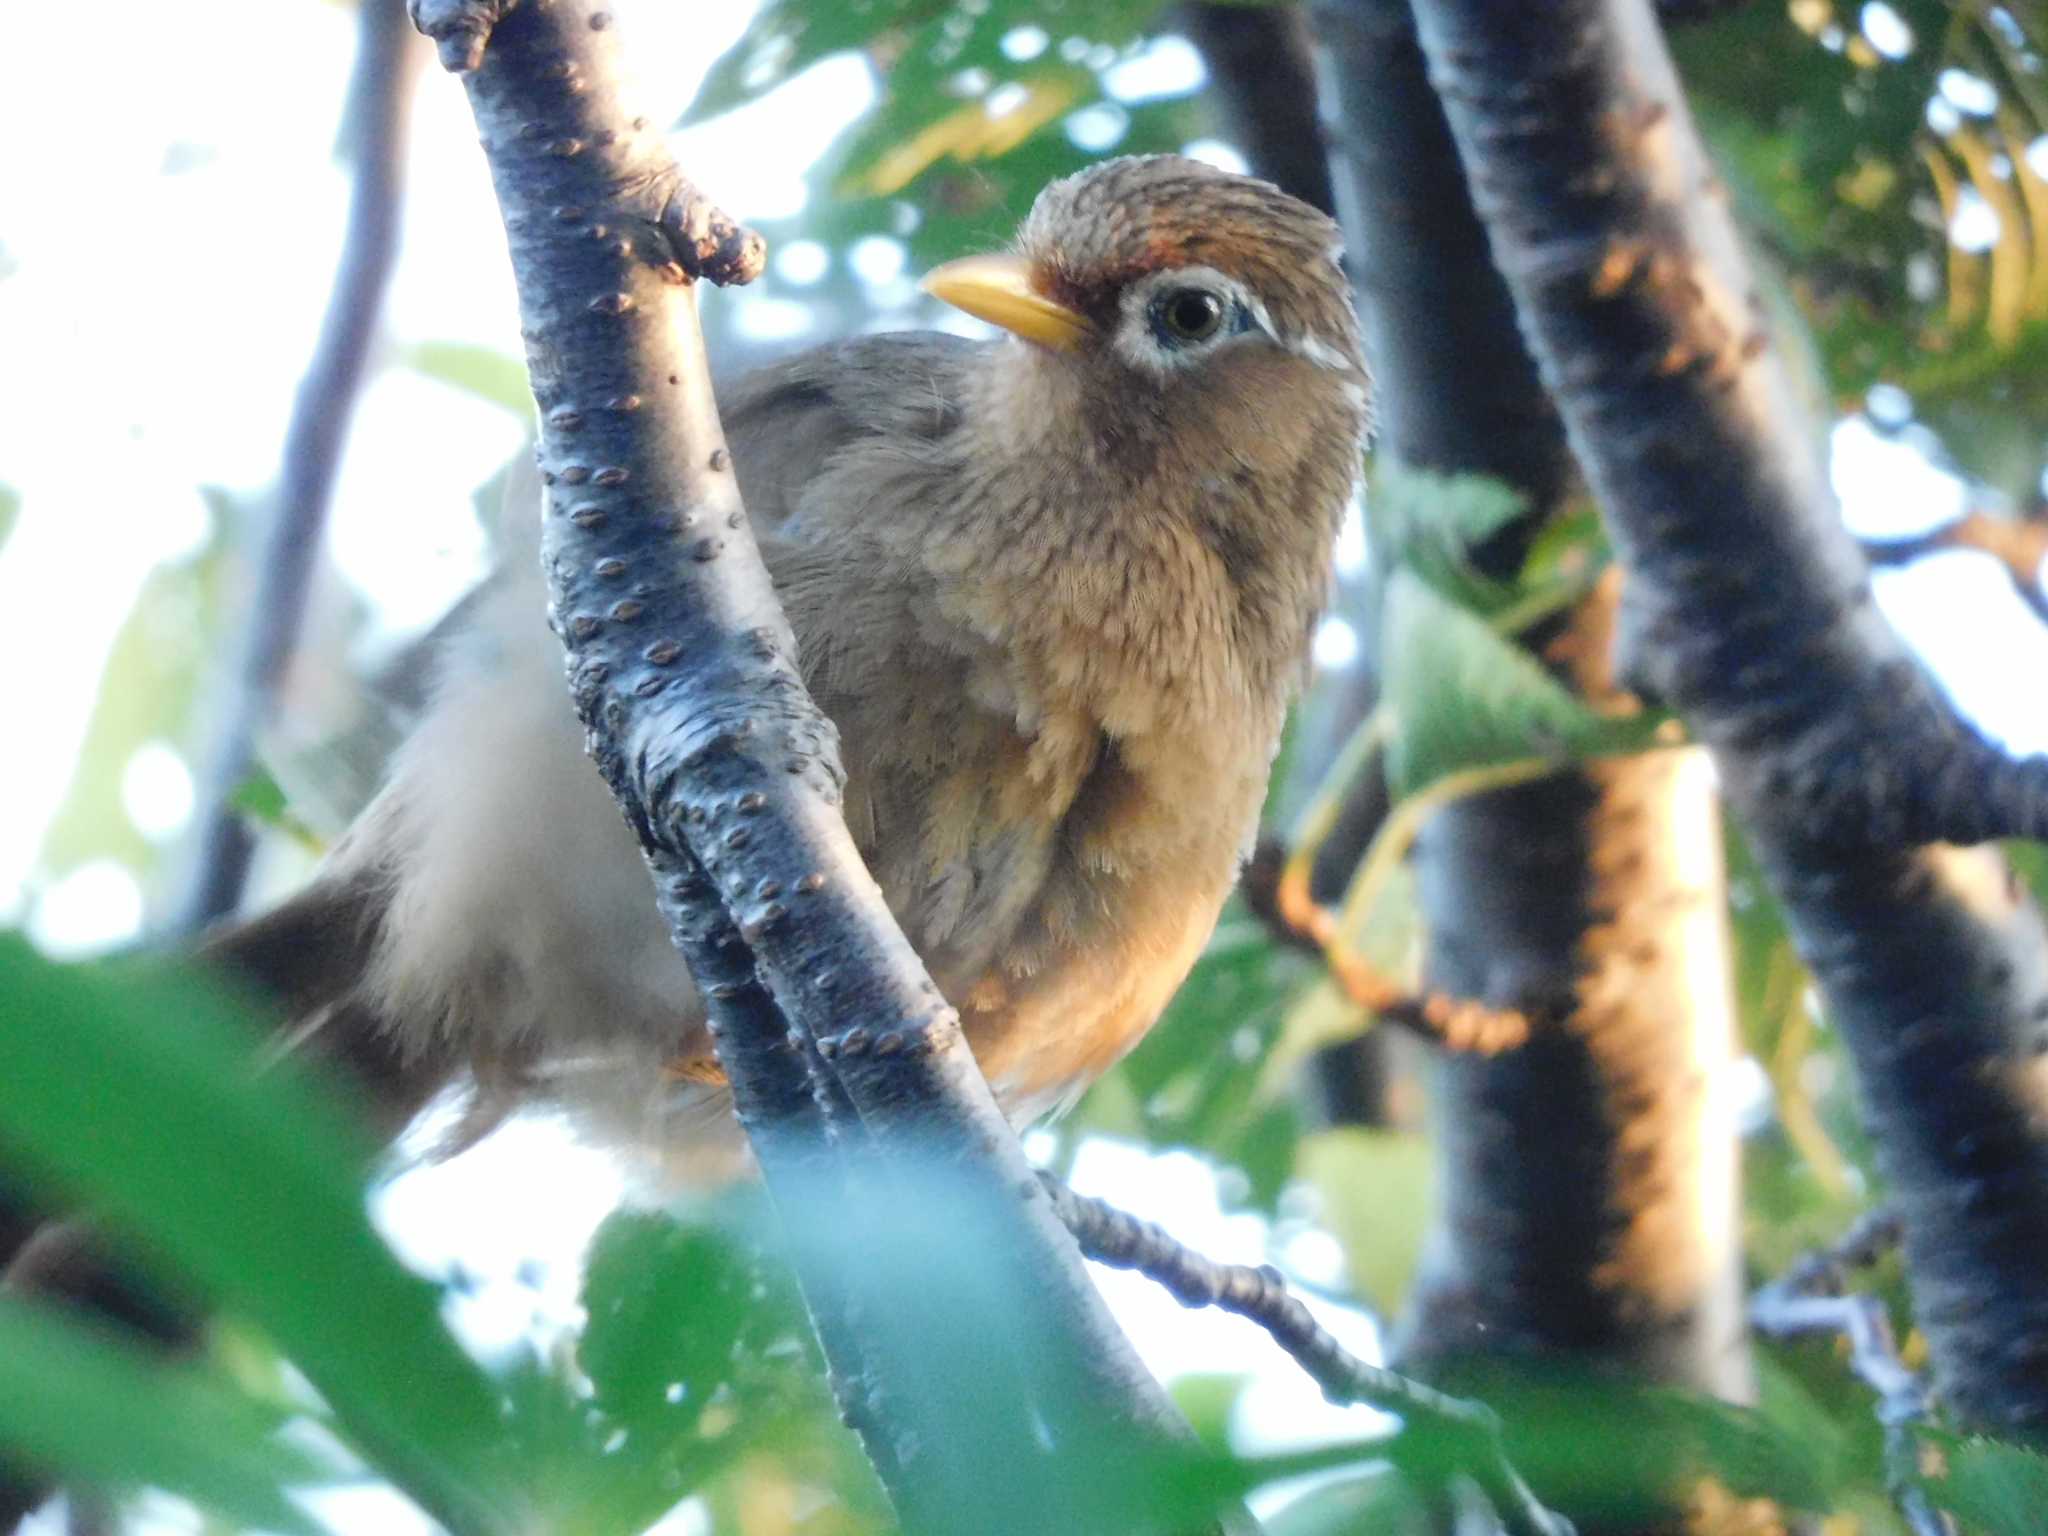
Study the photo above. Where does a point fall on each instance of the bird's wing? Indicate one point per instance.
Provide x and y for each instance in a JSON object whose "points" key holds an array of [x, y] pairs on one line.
{"points": [[934, 774], [489, 908], [786, 421]]}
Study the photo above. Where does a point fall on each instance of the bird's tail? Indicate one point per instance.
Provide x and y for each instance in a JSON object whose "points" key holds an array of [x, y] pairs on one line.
{"points": [[306, 961]]}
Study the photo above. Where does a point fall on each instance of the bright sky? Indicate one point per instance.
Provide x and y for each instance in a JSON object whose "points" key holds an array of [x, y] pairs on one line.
{"points": [[155, 314]]}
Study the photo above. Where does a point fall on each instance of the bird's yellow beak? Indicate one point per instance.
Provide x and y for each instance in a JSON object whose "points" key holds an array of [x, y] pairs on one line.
{"points": [[998, 289]]}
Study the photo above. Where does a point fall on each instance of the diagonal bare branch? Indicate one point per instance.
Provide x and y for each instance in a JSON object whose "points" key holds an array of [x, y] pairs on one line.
{"points": [[375, 130], [1119, 1239], [682, 668]]}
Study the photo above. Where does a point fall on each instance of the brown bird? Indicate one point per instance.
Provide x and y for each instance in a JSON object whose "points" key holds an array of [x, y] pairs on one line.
{"points": [[1056, 589]]}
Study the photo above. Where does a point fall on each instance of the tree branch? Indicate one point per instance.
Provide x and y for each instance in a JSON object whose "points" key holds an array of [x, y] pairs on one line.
{"points": [[682, 667], [375, 123], [1263, 83], [1749, 602], [1120, 1240], [1587, 1191], [1645, 274]]}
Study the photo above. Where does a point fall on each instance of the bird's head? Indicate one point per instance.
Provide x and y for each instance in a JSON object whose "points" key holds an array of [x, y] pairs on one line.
{"points": [[1158, 275], [1186, 395]]}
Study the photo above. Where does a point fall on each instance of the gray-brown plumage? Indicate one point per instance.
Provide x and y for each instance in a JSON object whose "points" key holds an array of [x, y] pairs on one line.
{"points": [[1056, 590]]}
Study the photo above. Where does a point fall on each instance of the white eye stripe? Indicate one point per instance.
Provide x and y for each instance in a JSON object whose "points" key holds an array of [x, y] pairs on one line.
{"points": [[1321, 353], [1257, 310]]}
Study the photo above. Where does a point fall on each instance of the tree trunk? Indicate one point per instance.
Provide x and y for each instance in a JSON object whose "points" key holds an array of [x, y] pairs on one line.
{"points": [[1752, 614], [1588, 1188]]}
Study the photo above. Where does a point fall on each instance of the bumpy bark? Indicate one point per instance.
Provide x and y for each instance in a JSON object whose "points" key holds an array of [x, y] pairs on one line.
{"points": [[981, 1353], [1749, 610]]}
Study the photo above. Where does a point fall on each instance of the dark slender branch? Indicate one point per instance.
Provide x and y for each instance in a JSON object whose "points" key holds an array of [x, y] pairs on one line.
{"points": [[1120, 1240], [2020, 545], [1644, 271], [1438, 321], [1262, 81], [796, 1119], [1749, 606], [377, 115], [1813, 1298], [682, 667]]}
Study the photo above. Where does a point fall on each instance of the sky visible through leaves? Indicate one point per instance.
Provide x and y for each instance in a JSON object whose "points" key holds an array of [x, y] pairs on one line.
{"points": [[147, 391]]}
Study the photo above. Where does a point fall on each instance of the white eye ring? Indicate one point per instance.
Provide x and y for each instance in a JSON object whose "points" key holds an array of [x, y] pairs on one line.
{"points": [[1146, 338]]}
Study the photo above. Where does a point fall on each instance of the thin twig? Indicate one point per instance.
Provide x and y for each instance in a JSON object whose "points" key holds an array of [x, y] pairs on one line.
{"points": [[377, 115], [1454, 1023], [1120, 1240], [1812, 1297], [1291, 910]]}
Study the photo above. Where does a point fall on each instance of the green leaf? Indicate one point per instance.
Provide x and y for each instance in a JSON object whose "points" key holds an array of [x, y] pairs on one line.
{"points": [[1835, 163], [1846, 1443], [132, 1087], [672, 1308], [1207, 1400], [1430, 523], [1993, 1488], [148, 692], [1380, 1503], [1377, 1187], [483, 372], [930, 166], [702, 1377], [1821, 146], [1620, 1454], [262, 799], [81, 1404], [1464, 697], [2030, 863], [786, 37]]}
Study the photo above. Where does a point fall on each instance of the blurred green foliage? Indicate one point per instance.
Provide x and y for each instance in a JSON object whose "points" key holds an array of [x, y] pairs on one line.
{"points": [[976, 110], [1851, 161], [695, 1376]]}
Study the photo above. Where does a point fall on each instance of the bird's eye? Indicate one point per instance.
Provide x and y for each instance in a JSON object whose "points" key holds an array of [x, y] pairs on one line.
{"points": [[1187, 314]]}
